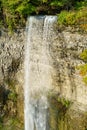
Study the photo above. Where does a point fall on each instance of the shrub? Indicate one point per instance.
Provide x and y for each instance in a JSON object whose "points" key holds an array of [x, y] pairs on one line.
{"points": [[80, 4], [83, 55], [14, 12], [74, 18], [83, 68], [66, 18]]}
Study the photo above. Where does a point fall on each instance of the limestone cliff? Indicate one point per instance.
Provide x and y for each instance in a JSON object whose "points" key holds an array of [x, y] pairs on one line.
{"points": [[63, 49], [11, 77]]}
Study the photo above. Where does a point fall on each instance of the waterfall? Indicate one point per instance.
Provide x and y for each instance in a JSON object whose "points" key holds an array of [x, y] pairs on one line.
{"points": [[36, 76]]}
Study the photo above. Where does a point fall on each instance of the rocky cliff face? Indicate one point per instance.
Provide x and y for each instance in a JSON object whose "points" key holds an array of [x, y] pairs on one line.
{"points": [[11, 76], [64, 50]]}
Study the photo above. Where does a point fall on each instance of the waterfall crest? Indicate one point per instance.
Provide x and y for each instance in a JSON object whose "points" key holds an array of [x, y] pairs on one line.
{"points": [[37, 81]]}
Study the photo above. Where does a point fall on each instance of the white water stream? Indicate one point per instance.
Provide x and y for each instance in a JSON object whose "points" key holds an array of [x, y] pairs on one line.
{"points": [[36, 108]]}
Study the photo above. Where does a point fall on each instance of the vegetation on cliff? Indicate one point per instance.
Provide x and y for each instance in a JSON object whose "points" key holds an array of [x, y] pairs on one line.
{"points": [[76, 18], [83, 68], [13, 13]]}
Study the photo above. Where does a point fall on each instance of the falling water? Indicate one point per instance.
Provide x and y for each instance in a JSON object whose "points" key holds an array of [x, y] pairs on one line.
{"points": [[35, 88], [28, 118]]}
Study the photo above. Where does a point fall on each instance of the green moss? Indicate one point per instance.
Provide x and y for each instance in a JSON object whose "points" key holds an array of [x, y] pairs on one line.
{"points": [[64, 102], [83, 68], [12, 96], [83, 72], [11, 124], [85, 80], [83, 55]]}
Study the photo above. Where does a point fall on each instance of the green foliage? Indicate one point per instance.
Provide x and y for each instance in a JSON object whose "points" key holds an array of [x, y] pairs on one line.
{"points": [[11, 83], [74, 18], [12, 96], [11, 124], [83, 68], [44, 1], [1, 126], [13, 13], [59, 3], [81, 4], [85, 80], [64, 102], [56, 99], [66, 18], [25, 9], [83, 55]]}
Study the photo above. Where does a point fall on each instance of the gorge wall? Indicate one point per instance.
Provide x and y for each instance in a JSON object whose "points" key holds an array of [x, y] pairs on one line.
{"points": [[66, 82], [11, 78]]}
